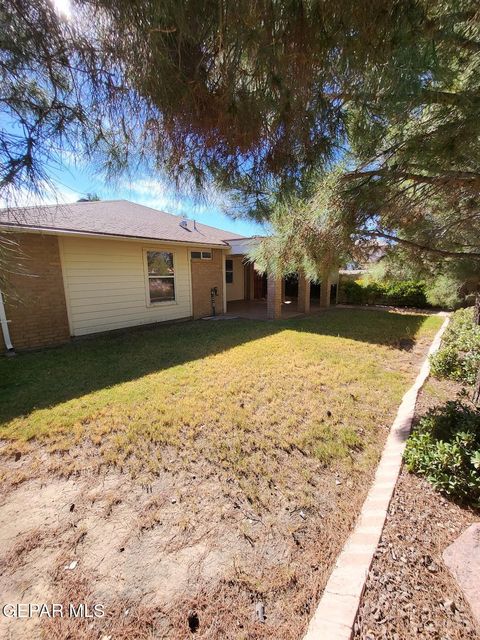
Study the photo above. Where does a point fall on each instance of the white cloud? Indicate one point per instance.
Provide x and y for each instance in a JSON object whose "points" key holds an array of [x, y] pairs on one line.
{"points": [[48, 194], [158, 195], [152, 193]]}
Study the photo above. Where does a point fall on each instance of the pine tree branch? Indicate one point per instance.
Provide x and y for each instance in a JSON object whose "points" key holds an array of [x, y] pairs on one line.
{"points": [[458, 40], [428, 249], [459, 177], [460, 99]]}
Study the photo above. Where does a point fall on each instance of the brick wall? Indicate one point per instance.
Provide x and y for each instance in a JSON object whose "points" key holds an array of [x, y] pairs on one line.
{"points": [[34, 294], [205, 275], [274, 297], [303, 303]]}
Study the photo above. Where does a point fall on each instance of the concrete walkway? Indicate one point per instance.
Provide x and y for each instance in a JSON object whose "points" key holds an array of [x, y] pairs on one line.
{"points": [[338, 606]]}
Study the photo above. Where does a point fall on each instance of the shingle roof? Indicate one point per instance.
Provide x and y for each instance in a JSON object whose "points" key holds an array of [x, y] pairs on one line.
{"points": [[114, 218]]}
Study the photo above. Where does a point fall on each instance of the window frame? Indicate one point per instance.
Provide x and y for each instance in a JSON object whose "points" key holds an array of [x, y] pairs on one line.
{"points": [[201, 252], [232, 270], [148, 277]]}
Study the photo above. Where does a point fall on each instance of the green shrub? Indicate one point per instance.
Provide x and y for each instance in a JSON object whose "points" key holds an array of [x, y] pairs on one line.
{"points": [[445, 449], [408, 293], [459, 356], [444, 292], [352, 292]]}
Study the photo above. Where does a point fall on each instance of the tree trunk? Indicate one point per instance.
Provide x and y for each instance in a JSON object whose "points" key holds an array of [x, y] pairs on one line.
{"points": [[476, 390], [476, 313], [476, 319]]}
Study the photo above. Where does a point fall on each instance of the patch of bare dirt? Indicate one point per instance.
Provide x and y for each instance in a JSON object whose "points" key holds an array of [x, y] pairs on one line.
{"points": [[409, 592], [186, 551]]}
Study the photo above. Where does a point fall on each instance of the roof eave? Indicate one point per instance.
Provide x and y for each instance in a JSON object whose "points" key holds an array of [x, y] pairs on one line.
{"points": [[112, 236]]}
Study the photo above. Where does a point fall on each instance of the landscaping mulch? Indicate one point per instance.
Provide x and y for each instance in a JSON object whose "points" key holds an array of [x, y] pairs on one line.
{"points": [[409, 591]]}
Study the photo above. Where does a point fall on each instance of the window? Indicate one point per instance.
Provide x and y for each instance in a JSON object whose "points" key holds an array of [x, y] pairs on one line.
{"points": [[201, 255], [229, 271], [161, 280]]}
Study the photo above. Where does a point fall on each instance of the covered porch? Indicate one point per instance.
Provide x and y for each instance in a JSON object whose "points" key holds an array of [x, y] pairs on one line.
{"points": [[253, 295]]}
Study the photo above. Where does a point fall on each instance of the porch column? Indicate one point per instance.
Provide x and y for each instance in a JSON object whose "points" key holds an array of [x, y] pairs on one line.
{"points": [[274, 297], [303, 302], [283, 289], [325, 290], [251, 281]]}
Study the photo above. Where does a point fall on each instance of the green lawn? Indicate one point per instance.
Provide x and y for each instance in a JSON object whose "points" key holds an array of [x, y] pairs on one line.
{"points": [[239, 395]]}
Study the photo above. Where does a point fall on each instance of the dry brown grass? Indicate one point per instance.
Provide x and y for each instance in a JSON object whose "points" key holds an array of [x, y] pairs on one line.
{"points": [[16, 555], [123, 620]]}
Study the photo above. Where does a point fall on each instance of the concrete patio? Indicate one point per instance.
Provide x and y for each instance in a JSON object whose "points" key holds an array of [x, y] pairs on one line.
{"points": [[257, 309]]}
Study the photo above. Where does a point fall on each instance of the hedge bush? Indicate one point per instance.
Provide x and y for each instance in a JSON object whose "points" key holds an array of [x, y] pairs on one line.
{"points": [[445, 449], [459, 356], [409, 293], [444, 292]]}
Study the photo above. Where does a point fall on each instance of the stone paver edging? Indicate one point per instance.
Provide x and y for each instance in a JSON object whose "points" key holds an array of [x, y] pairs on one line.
{"points": [[336, 612]]}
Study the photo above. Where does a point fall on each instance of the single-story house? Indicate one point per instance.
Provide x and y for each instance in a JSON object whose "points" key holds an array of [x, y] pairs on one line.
{"points": [[90, 267]]}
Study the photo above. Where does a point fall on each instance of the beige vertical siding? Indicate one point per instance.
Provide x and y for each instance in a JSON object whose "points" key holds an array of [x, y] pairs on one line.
{"points": [[106, 289], [236, 290]]}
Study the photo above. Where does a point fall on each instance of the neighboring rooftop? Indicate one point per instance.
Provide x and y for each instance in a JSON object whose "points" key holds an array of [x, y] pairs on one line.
{"points": [[114, 218]]}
